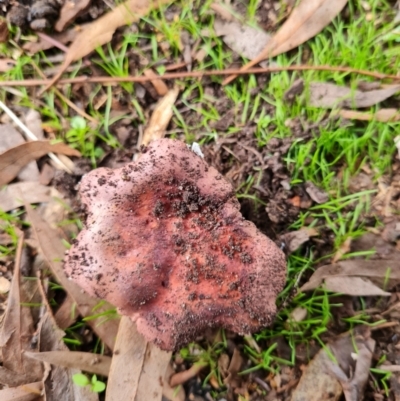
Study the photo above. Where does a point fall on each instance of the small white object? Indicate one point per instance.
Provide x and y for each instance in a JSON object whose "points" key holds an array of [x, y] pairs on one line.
{"points": [[196, 149]]}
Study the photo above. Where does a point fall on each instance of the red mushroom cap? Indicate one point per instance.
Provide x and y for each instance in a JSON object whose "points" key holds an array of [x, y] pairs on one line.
{"points": [[165, 242]]}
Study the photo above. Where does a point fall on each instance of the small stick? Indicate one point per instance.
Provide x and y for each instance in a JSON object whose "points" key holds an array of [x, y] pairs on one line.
{"points": [[198, 74]]}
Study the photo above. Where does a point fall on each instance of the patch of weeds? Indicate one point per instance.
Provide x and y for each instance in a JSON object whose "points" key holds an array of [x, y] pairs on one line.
{"points": [[80, 136], [94, 384], [8, 224], [207, 357]]}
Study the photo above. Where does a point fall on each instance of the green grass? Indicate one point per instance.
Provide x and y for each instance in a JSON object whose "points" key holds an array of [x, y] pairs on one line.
{"points": [[353, 41]]}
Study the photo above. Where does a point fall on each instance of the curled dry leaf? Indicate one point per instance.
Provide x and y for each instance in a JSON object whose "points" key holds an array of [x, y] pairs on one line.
{"points": [[12, 160], [306, 20], [327, 95], [100, 31]]}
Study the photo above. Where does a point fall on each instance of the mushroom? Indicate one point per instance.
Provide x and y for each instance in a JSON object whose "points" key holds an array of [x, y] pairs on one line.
{"points": [[165, 242]]}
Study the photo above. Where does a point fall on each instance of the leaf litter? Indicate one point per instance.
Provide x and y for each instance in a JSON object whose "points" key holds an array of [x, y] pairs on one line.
{"points": [[298, 197]]}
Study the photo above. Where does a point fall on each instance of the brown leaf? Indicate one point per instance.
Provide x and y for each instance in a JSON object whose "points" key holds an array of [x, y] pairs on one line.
{"points": [[245, 40], [101, 30], [64, 38], [88, 362], [3, 30], [295, 239], [354, 286], [161, 117], [316, 384], [64, 316], [10, 196], [7, 64], [159, 85], [375, 270], [306, 20], [185, 375], [137, 368], [327, 95], [69, 11], [26, 392], [53, 251], [353, 354], [17, 332], [317, 195], [9, 138], [383, 115], [343, 249], [14, 159], [10, 335], [58, 382]]}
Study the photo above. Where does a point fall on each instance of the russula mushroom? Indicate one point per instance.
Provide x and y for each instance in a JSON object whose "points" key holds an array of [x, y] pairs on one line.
{"points": [[164, 241]]}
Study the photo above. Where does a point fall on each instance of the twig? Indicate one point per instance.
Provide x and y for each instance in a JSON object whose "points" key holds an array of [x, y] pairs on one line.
{"points": [[199, 74], [72, 105], [30, 135]]}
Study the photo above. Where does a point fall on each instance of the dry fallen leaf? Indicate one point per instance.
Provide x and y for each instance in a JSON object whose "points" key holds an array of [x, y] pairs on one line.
{"points": [[327, 95], [353, 354], [325, 379], [159, 85], [57, 382], [3, 30], [92, 363], [53, 251], [9, 138], [382, 115], [7, 64], [306, 20], [42, 44], [26, 392], [317, 195], [101, 30], [316, 384], [17, 332], [12, 160], [354, 286], [137, 368], [69, 11], [245, 40], [343, 249], [161, 117], [10, 196], [294, 239], [380, 272]]}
